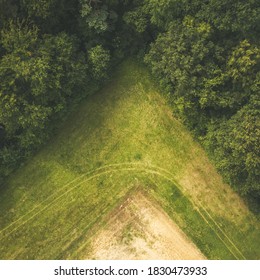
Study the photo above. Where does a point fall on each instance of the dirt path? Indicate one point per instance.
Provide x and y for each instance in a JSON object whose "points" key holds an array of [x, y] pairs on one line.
{"points": [[139, 229]]}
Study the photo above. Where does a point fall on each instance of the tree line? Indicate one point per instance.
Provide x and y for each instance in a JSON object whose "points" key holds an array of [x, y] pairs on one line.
{"points": [[205, 54], [52, 52]]}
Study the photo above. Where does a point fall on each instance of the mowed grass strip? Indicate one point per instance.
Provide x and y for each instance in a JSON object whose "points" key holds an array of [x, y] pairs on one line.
{"points": [[193, 216], [51, 205]]}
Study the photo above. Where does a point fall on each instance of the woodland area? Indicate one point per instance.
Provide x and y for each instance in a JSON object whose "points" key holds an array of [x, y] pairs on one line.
{"points": [[204, 55]]}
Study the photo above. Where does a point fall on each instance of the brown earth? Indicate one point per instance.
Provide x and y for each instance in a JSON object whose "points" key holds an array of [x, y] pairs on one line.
{"points": [[140, 229]]}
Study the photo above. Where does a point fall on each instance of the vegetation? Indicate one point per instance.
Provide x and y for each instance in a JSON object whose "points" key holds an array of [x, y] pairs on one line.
{"points": [[111, 146], [203, 54], [52, 53], [206, 55]]}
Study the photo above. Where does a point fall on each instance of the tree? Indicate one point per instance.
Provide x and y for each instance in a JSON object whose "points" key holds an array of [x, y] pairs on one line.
{"points": [[8, 10], [38, 77], [214, 82], [99, 60], [98, 14], [2, 134], [236, 148], [40, 8], [138, 17], [240, 17], [182, 58]]}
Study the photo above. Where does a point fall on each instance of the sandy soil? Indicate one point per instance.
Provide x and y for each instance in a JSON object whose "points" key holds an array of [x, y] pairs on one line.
{"points": [[139, 229]]}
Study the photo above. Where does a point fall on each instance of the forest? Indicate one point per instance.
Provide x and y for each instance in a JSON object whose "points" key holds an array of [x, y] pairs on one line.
{"points": [[203, 54]]}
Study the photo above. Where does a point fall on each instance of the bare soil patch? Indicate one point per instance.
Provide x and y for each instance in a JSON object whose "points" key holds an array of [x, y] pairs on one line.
{"points": [[140, 229]]}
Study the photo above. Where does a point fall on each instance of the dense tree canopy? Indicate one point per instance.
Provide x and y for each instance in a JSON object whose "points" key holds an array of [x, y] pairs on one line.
{"points": [[205, 54], [235, 144]]}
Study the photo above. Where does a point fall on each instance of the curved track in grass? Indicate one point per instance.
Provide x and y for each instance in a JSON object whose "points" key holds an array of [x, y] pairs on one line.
{"points": [[122, 167]]}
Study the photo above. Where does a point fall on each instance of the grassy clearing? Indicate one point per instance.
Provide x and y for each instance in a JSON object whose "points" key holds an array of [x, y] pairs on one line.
{"points": [[119, 139]]}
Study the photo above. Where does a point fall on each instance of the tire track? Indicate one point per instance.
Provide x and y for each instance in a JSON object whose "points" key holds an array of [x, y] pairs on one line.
{"points": [[56, 199], [208, 214], [200, 213], [116, 167], [58, 191]]}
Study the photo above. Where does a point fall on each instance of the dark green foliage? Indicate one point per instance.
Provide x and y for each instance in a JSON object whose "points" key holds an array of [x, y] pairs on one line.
{"points": [[8, 9], [40, 8], [208, 58], [204, 53], [97, 15], [234, 16], [138, 18], [99, 60], [51, 53], [38, 76], [235, 145], [180, 58]]}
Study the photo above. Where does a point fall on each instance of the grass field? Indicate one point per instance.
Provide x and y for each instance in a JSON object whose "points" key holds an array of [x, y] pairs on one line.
{"points": [[122, 139]]}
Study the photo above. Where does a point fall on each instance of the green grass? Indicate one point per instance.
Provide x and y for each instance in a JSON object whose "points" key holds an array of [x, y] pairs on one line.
{"points": [[122, 138]]}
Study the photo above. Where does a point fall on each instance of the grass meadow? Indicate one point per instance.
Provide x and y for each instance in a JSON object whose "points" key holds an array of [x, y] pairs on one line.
{"points": [[118, 140]]}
